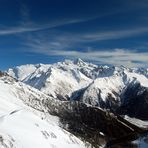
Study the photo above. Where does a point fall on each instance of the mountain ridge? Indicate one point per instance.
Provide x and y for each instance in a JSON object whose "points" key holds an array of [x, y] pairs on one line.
{"points": [[102, 86], [84, 99]]}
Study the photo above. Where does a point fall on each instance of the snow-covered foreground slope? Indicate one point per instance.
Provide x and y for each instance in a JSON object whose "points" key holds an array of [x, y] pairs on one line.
{"points": [[24, 129], [22, 126]]}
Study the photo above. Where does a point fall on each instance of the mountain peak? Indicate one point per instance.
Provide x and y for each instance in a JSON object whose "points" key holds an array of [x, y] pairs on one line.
{"points": [[79, 62]]}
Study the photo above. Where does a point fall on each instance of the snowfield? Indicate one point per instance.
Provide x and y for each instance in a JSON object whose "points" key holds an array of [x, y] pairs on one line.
{"points": [[25, 130], [23, 127]]}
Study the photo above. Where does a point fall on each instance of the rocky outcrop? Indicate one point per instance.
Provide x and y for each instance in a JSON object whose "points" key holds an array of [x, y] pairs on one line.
{"points": [[90, 122], [135, 102]]}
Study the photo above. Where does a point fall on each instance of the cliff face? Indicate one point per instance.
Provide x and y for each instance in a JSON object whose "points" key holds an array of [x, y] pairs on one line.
{"points": [[92, 124], [136, 104]]}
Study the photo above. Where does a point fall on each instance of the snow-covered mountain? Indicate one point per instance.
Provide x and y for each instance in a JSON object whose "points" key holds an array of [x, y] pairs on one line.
{"points": [[110, 91], [25, 119], [58, 80], [23, 123], [85, 99], [101, 86]]}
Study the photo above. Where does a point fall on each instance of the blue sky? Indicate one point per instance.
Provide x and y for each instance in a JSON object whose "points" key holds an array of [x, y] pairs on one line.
{"points": [[101, 31]]}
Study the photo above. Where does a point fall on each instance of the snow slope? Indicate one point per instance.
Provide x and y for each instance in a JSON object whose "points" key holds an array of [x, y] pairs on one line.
{"points": [[111, 89], [22, 126], [58, 80]]}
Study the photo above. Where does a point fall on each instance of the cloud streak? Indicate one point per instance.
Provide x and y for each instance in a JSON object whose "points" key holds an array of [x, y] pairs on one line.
{"points": [[129, 58], [63, 44], [117, 34], [56, 40], [26, 25], [115, 56]]}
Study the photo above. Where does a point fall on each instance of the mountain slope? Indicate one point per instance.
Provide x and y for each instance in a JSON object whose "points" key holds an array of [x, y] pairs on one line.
{"points": [[80, 94], [58, 80], [111, 89], [25, 119], [24, 126], [102, 86]]}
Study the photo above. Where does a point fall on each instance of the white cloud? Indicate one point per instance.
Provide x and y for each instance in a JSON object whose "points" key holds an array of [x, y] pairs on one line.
{"points": [[116, 57], [26, 25], [55, 44], [57, 40], [116, 34]]}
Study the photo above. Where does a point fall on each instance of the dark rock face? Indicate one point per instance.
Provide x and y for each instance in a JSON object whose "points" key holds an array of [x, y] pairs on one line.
{"points": [[135, 102], [132, 100], [88, 122], [111, 103], [6, 141], [2, 74]]}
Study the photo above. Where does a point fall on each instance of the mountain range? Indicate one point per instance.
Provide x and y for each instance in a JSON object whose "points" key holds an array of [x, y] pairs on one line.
{"points": [[72, 104], [114, 88]]}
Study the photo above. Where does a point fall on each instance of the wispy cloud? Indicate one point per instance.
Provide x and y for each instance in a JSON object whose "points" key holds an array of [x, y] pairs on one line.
{"points": [[31, 26], [27, 25], [118, 57], [25, 14], [127, 57], [58, 40], [55, 40], [64, 44], [18, 29], [116, 34]]}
